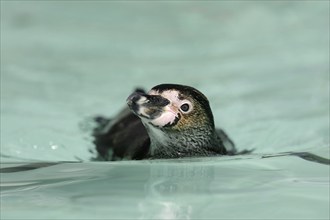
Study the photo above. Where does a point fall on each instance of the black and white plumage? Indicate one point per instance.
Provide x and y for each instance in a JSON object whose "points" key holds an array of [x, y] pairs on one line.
{"points": [[170, 121]]}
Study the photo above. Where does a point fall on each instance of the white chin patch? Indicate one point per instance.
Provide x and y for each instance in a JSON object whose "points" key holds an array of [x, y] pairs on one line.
{"points": [[167, 117], [142, 112]]}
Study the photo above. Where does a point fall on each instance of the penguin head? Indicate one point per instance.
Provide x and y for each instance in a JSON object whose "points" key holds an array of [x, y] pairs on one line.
{"points": [[172, 108]]}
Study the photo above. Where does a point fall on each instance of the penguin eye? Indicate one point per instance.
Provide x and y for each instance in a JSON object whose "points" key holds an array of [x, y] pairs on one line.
{"points": [[185, 107]]}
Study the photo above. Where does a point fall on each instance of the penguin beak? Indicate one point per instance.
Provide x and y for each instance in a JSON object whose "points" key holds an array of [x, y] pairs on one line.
{"points": [[147, 106]]}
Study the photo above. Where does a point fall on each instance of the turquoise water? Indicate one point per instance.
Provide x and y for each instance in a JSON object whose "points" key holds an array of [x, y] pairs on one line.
{"points": [[263, 65]]}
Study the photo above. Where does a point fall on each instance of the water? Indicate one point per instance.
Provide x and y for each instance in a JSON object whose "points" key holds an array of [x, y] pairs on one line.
{"points": [[263, 65]]}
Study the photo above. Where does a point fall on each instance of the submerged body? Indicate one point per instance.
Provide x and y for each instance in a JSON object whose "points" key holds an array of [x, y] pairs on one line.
{"points": [[170, 121]]}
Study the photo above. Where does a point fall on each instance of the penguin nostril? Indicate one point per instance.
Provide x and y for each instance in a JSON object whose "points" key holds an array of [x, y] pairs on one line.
{"points": [[133, 98]]}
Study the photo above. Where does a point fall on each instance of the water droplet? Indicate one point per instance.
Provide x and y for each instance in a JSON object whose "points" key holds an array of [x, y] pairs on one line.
{"points": [[54, 147]]}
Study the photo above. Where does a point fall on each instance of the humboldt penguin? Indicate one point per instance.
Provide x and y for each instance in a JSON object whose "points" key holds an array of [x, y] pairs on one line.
{"points": [[169, 121]]}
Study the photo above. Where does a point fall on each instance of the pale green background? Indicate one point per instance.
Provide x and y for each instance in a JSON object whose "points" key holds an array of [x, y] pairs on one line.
{"points": [[264, 65]]}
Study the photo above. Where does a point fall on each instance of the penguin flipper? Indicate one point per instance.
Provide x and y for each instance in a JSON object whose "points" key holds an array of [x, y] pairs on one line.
{"points": [[121, 137]]}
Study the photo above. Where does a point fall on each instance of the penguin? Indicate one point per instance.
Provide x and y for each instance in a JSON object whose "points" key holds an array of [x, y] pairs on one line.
{"points": [[170, 121]]}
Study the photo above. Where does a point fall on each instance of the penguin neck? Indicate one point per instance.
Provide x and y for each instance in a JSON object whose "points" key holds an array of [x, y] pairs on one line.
{"points": [[193, 142]]}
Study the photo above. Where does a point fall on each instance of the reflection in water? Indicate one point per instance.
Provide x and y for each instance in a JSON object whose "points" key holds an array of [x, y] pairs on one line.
{"points": [[180, 189], [166, 186], [304, 155], [25, 167]]}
